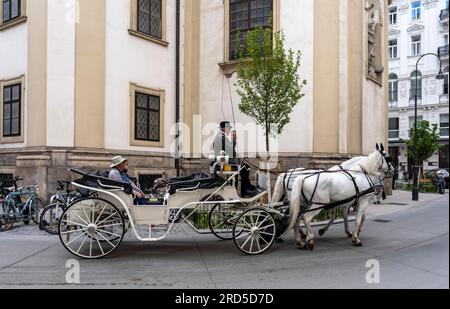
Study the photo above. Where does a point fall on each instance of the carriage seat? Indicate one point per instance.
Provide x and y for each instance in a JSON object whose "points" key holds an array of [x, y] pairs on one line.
{"points": [[195, 183], [98, 180]]}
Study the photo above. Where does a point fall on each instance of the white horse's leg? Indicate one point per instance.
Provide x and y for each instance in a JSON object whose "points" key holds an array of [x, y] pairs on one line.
{"points": [[330, 223], [345, 213], [298, 234], [360, 218], [308, 218]]}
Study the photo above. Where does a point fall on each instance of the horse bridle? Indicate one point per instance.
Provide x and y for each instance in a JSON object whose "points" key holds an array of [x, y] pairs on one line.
{"points": [[387, 158]]}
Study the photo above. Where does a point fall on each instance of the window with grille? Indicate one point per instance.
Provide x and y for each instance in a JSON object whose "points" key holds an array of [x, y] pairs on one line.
{"points": [[393, 15], [444, 125], [11, 10], [246, 15], [149, 19], [11, 110], [394, 128], [393, 49], [147, 182], [416, 45], [416, 10], [147, 122]]}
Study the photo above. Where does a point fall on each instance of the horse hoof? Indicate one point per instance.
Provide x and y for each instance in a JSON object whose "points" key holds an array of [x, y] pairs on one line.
{"points": [[310, 247], [321, 232], [357, 244]]}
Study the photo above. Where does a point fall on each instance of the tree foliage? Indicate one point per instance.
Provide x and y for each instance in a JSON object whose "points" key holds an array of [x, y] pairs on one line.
{"points": [[268, 83], [427, 141]]}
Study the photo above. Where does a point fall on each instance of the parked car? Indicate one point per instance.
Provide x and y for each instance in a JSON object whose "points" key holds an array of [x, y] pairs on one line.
{"points": [[441, 172]]}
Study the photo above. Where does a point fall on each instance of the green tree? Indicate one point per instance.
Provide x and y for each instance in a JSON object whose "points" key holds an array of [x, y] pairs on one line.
{"points": [[268, 83], [427, 141]]}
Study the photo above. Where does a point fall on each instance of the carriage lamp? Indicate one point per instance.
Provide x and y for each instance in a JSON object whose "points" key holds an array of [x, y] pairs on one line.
{"points": [[440, 76]]}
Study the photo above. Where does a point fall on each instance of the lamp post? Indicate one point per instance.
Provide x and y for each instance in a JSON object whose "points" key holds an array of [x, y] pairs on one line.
{"points": [[415, 192]]}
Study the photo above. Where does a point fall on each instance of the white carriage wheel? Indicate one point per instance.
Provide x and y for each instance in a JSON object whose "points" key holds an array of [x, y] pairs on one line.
{"points": [[222, 219], [254, 231], [91, 228]]}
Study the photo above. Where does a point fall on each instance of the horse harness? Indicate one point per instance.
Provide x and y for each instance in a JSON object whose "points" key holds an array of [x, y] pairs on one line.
{"points": [[355, 198]]}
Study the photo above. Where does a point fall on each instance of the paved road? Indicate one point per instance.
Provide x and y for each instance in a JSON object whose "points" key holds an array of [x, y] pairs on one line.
{"points": [[412, 247]]}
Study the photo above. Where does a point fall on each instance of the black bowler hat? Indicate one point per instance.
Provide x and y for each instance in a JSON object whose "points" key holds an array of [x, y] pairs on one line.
{"points": [[225, 124]]}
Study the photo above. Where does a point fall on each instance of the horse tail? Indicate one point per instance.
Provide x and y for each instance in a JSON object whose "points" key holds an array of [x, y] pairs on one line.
{"points": [[294, 205], [279, 189]]}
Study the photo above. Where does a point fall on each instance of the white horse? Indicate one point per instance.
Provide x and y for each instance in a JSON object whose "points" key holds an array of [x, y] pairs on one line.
{"points": [[315, 191], [283, 188]]}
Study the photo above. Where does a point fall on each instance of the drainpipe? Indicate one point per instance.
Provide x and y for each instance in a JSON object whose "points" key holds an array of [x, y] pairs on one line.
{"points": [[177, 85]]}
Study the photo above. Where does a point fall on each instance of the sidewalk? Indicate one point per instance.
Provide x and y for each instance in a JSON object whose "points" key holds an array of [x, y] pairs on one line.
{"points": [[401, 201]]}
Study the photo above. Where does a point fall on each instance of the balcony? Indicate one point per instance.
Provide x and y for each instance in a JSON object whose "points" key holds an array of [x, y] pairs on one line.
{"points": [[444, 15], [443, 99], [443, 52], [393, 104]]}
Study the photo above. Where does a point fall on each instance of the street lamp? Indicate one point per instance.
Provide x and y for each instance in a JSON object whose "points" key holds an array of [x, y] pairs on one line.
{"points": [[415, 192]]}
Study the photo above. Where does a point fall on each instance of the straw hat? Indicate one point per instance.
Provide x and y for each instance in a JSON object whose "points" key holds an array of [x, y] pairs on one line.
{"points": [[118, 160]]}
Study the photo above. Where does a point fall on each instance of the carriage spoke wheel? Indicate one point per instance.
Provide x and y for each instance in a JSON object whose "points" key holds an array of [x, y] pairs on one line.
{"points": [[254, 231], [91, 228], [221, 220]]}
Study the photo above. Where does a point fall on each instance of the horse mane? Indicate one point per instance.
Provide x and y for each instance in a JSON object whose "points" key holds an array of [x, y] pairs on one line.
{"points": [[370, 164]]}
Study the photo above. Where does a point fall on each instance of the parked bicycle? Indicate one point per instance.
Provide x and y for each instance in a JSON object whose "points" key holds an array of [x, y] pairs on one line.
{"points": [[19, 204], [58, 203]]}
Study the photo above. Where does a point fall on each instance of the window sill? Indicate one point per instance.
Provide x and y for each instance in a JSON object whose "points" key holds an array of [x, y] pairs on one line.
{"points": [[414, 56], [230, 67], [12, 23], [149, 144], [12, 140], [394, 59], [148, 37]]}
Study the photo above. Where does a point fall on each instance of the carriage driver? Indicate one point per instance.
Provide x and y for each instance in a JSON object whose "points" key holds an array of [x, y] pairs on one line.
{"points": [[226, 140], [119, 169]]}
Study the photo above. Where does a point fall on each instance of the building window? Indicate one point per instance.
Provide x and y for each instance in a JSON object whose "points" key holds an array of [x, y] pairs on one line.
{"points": [[416, 8], [148, 20], [393, 49], [416, 85], [11, 10], [416, 45], [147, 124], [394, 128], [11, 110], [147, 117], [444, 125], [445, 90], [393, 88], [393, 15], [12, 94], [246, 15], [150, 17]]}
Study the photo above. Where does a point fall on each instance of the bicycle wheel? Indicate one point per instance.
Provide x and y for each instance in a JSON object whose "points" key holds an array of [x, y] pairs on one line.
{"points": [[36, 208], [50, 217], [7, 217]]}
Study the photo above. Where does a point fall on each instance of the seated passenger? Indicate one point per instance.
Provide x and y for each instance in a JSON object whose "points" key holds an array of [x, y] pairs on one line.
{"points": [[119, 169]]}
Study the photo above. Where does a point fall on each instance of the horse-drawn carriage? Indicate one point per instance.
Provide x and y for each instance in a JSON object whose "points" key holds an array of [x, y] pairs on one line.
{"points": [[94, 227]]}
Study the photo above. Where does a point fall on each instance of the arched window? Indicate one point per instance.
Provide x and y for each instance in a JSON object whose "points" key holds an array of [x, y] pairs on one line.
{"points": [[416, 85], [446, 81], [393, 87]]}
